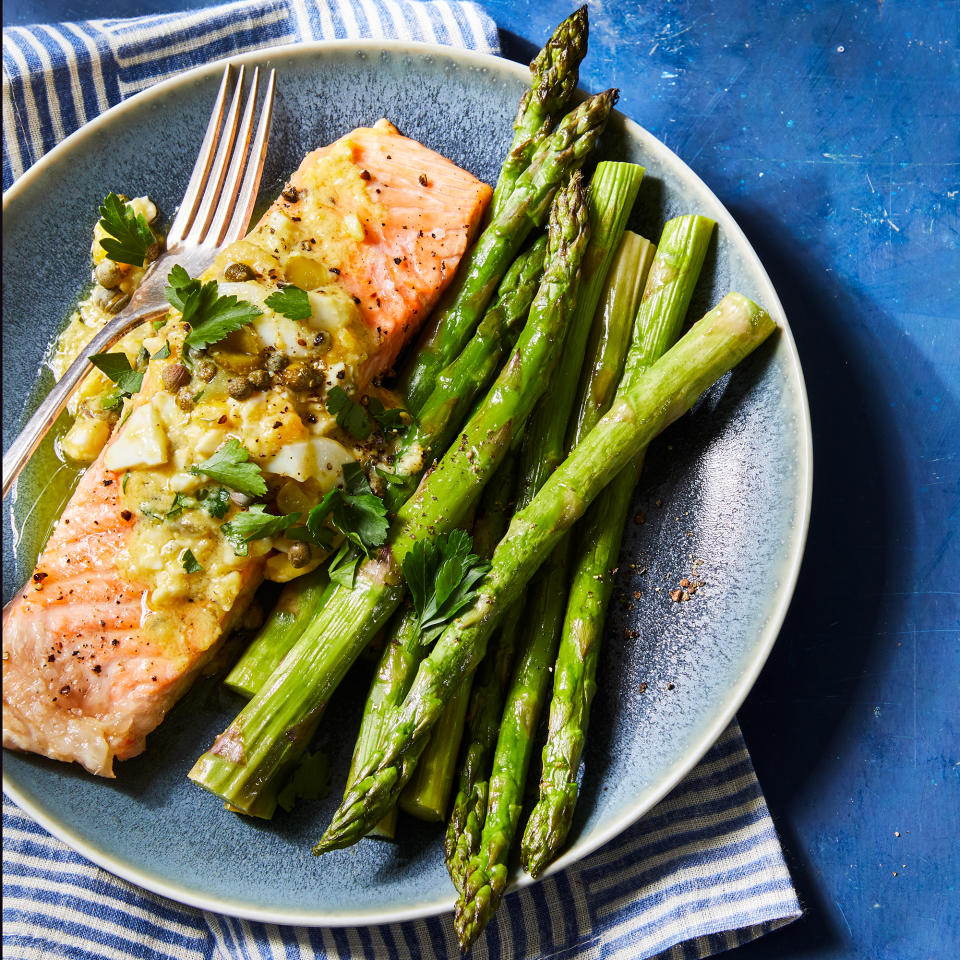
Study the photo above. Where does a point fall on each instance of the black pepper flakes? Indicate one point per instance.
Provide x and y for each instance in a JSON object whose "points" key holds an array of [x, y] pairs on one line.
{"points": [[364, 174], [422, 180]]}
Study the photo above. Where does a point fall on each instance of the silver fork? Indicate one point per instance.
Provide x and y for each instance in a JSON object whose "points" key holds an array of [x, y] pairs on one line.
{"points": [[215, 210]]}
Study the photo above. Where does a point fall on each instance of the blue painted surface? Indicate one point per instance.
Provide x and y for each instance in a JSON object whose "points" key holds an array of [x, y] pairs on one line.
{"points": [[831, 132]]}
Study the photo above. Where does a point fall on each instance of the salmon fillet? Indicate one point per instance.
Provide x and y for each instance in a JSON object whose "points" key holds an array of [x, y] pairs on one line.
{"points": [[91, 661]]}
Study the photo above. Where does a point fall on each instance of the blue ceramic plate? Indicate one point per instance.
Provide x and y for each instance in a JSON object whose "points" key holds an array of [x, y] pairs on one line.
{"points": [[728, 487]]}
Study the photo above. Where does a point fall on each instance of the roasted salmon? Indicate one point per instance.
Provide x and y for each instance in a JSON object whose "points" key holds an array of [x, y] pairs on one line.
{"points": [[138, 584]]}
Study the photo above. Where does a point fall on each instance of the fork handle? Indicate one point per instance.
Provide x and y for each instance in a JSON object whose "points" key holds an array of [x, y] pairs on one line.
{"points": [[53, 404]]}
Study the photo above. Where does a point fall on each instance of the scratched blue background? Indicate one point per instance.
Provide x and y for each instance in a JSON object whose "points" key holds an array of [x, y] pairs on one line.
{"points": [[831, 131]]}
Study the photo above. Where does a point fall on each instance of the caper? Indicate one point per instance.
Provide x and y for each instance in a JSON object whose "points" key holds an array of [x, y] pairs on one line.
{"points": [[185, 398], [175, 376], [299, 554], [118, 302], [109, 274], [206, 370], [239, 388], [238, 272], [259, 379], [274, 362], [299, 376]]}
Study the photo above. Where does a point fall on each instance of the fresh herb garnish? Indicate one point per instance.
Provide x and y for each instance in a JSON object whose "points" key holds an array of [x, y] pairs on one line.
{"points": [[231, 466], [357, 420], [441, 575], [350, 415], [113, 400], [255, 524], [292, 302], [180, 286], [343, 567], [180, 503], [123, 483], [158, 325], [211, 317], [163, 352], [117, 367], [389, 418], [216, 502], [190, 563], [130, 234], [355, 511], [310, 780], [151, 514]]}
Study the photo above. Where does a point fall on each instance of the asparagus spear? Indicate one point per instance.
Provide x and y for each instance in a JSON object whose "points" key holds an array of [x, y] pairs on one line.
{"points": [[427, 793], [612, 193], [715, 344], [666, 297], [554, 73], [463, 379], [267, 738], [562, 152], [298, 604]]}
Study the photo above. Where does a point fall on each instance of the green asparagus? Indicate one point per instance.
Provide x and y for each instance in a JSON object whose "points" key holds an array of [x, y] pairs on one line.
{"points": [[402, 656], [427, 793], [554, 73], [562, 152], [715, 344], [672, 278], [298, 604], [612, 193], [544, 608], [265, 740], [463, 380]]}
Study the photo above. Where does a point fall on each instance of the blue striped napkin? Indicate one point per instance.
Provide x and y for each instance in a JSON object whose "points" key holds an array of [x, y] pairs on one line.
{"points": [[699, 874]]}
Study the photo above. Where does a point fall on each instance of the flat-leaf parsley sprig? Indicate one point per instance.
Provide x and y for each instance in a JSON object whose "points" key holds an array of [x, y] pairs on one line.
{"points": [[130, 236], [442, 575], [210, 316]]}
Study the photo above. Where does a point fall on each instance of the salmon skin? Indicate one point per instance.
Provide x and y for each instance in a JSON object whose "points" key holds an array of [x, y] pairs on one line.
{"points": [[111, 629]]}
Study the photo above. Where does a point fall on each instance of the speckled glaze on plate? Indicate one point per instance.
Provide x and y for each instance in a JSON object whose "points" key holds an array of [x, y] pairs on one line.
{"points": [[728, 485]]}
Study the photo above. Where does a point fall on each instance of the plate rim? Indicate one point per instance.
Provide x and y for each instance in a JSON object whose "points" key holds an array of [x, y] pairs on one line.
{"points": [[776, 613]]}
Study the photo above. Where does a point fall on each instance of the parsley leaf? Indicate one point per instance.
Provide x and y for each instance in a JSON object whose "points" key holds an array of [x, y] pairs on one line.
{"points": [[211, 317], [190, 562], [355, 511], [442, 576], [343, 567], [217, 502], [130, 234], [181, 503], [350, 415], [163, 352], [231, 466], [113, 400], [292, 302], [310, 780], [356, 420], [255, 524], [180, 286], [117, 367], [390, 420]]}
